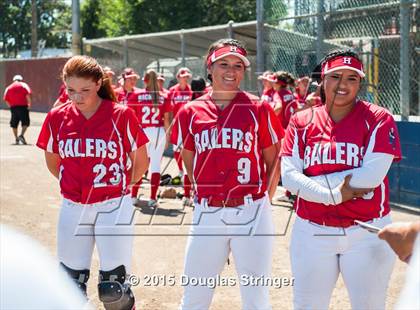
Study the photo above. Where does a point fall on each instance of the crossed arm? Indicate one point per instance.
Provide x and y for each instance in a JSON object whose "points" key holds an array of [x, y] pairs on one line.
{"points": [[337, 187]]}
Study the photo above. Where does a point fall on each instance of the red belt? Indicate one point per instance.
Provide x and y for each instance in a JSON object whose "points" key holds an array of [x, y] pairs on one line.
{"points": [[230, 202]]}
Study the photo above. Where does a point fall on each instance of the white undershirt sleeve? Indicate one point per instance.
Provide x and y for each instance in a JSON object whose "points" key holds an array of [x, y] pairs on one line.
{"points": [[299, 184], [374, 168]]}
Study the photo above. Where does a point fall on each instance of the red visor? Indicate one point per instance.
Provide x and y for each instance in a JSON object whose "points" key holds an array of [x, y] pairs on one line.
{"points": [[271, 78], [343, 62], [228, 50], [183, 72]]}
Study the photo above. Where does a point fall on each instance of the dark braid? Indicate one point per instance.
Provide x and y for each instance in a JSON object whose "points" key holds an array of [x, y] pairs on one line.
{"points": [[316, 73], [285, 77]]}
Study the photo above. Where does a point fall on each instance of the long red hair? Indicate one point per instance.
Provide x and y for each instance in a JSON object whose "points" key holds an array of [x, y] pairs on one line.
{"points": [[87, 67]]}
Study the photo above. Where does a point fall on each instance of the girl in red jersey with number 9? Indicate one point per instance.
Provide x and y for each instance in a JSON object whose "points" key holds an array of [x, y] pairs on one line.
{"points": [[89, 144], [230, 151], [335, 157]]}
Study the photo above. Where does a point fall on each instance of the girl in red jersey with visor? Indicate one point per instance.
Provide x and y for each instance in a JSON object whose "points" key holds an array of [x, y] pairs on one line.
{"points": [[283, 98], [89, 142], [268, 79], [152, 107], [335, 158], [127, 91], [230, 151]]}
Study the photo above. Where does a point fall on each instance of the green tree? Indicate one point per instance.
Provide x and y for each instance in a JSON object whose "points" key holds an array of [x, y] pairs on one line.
{"points": [[54, 24], [124, 17], [91, 19]]}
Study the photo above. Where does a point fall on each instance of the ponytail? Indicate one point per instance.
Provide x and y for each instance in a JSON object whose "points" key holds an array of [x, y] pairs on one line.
{"points": [[88, 67], [152, 85], [106, 91]]}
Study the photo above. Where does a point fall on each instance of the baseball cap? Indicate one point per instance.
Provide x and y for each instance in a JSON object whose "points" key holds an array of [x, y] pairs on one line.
{"points": [[129, 72], [161, 77], [228, 50], [17, 77], [183, 72], [343, 62]]}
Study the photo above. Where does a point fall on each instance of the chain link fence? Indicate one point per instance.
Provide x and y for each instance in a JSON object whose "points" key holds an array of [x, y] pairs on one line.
{"points": [[169, 51], [295, 43], [371, 27]]}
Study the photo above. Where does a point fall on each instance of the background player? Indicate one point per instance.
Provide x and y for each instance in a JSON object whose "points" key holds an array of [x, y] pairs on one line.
{"points": [[161, 82], [267, 79], [230, 149], [336, 157], [62, 96], [283, 98], [179, 95], [301, 91], [110, 74], [18, 97], [198, 87], [152, 108], [126, 92], [87, 143]]}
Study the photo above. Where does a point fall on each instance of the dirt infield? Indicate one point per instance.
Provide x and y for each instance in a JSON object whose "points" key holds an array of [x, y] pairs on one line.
{"points": [[30, 199]]}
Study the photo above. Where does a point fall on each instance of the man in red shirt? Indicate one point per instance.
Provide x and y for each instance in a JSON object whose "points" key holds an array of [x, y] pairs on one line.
{"points": [[18, 97]]}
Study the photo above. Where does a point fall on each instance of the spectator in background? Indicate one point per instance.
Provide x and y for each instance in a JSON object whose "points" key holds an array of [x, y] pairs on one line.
{"points": [[18, 97]]}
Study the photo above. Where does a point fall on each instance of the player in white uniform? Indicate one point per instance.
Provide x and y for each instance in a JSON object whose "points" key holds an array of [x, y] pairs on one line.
{"points": [[335, 158], [230, 150], [87, 143]]}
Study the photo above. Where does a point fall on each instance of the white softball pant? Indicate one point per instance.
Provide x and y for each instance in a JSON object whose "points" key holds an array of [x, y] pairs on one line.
{"points": [[109, 224], [247, 231], [155, 147], [320, 253]]}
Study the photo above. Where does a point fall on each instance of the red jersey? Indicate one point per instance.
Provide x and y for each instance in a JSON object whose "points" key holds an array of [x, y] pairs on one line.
{"points": [[228, 144], [325, 147], [63, 97], [15, 94], [208, 89], [301, 100], [124, 96], [179, 97], [288, 105], [267, 96], [148, 113], [93, 151]]}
